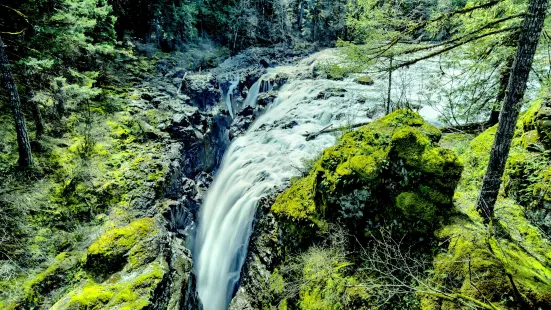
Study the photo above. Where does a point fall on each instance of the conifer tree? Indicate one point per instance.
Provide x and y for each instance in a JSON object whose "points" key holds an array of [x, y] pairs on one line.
{"points": [[526, 49], [23, 143]]}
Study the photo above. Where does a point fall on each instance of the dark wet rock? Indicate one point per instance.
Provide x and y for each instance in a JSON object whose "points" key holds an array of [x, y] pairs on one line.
{"points": [[290, 125], [248, 115], [265, 63], [164, 66], [247, 111], [178, 74], [202, 89], [331, 92], [266, 99], [147, 96]]}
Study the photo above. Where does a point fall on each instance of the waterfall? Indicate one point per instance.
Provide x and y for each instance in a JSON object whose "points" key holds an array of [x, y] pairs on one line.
{"points": [[260, 160], [229, 103], [266, 157], [252, 96]]}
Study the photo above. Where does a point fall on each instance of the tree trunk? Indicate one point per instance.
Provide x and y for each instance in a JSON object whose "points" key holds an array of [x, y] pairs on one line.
{"points": [[59, 96], [388, 99], [503, 81], [300, 15], [23, 143], [526, 48]]}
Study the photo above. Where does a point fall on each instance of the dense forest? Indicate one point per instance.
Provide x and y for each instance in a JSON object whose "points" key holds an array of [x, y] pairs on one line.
{"points": [[275, 154]]}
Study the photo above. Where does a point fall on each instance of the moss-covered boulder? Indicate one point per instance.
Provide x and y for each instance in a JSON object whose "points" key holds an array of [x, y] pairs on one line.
{"points": [[391, 170], [364, 80], [129, 291], [134, 243], [64, 270], [501, 267]]}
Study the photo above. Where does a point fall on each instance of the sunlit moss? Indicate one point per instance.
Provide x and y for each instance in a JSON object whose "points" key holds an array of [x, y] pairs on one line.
{"points": [[109, 251], [134, 291], [395, 154]]}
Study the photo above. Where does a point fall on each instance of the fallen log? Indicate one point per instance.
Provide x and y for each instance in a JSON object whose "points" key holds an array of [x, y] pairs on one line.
{"points": [[467, 128]]}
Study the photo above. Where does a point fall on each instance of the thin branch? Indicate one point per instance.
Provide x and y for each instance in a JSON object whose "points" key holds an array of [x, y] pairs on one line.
{"points": [[454, 46]]}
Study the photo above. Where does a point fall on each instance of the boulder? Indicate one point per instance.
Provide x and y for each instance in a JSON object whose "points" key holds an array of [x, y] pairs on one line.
{"points": [[364, 80], [391, 170]]}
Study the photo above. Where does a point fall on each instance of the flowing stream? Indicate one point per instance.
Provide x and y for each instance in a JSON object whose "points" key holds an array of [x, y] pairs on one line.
{"points": [[266, 157]]}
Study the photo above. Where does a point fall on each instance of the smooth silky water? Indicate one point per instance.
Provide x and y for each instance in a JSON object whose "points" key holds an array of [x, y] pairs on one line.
{"points": [[264, 158]]}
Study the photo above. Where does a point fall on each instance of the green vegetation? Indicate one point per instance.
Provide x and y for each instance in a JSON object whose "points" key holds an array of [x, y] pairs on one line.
{"points": [[503, 266], [386, 218]]}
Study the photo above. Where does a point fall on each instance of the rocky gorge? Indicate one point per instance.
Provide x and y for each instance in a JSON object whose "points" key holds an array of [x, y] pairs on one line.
{"points": [[192, 125]]}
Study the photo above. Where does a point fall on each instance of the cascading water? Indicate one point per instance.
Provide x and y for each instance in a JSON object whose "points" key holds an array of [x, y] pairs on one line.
{"points": [[258, 161], [265, 158], [252, 96], [233, 84]]}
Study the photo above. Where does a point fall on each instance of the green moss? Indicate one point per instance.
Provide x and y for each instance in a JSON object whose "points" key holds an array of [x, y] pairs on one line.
{"points": [[415, 207], [297, 203], [478, 261], [408, 144], [131, 291], [529, 139], [108, 253], [64, 270], [362, 175], [364, 80], [527, 121]]}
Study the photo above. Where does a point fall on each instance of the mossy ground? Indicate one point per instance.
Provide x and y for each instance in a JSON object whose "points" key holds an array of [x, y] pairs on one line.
{"points": [[100, 172]]}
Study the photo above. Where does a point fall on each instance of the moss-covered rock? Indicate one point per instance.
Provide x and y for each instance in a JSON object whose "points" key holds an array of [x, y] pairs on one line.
{"points": [[364, 80], [484, 264], [390, 170], [62, 271], [127, 291], [112, 250]]}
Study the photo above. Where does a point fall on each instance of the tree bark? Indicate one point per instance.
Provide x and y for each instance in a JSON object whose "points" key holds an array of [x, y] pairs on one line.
{"points": [[300, 14], [388, 99], [23, 143], [526, 48], [503, 82], [59, 96]]}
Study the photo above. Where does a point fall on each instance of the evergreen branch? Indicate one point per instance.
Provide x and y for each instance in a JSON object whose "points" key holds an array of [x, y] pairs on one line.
{"points": [[452, 14], [421, 25], [18, 13]]}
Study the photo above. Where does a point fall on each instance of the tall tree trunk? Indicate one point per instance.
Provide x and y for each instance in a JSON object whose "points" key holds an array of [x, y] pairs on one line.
{"points": [[503, 82], [526, 48], [389, 97], [300, 16], [59, 96], [23, 143]]}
